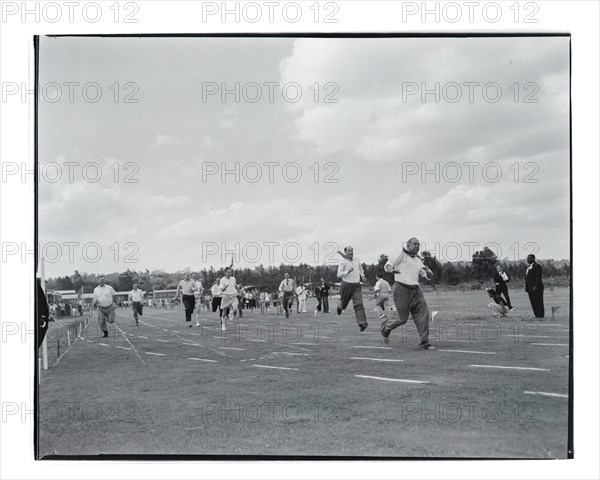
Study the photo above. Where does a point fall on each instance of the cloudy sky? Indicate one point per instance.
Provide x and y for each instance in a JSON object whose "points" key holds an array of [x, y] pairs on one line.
{"points": [[342, 128]]}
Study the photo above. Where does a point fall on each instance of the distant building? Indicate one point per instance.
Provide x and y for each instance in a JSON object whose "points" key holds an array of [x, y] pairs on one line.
{"points": [[124, 296], [166, 294]]}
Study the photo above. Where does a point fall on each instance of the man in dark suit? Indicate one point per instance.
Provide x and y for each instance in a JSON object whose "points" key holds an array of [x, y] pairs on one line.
{"points": [[501, 279], [324, 291], [534, 286]]}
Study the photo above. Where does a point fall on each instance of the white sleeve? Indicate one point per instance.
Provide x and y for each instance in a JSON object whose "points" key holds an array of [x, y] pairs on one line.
{"points": [[341, 270]]}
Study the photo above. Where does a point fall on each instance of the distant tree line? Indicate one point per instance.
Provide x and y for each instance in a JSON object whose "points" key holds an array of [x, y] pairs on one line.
{"points": [[481, 269]]}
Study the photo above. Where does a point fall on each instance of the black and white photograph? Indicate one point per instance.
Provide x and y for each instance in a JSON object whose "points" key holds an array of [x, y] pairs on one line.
{"points": [[301, 239], [326, 246]]}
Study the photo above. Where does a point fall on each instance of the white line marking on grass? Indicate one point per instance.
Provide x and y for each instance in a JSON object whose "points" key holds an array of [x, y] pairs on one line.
{"points": [[164, 341], [124, 348], [302, 343], [377, 359], [541, 336], [192, 344], [104, 344], [511, 368], [547, 394], [365, 346], [550, 344], [203, 360], [152, 353], [461, 341], [131, 345], [289, 353], [256, 340], [278, 368], [146, 338], [465, 351], [391, 379], [231, 348]]}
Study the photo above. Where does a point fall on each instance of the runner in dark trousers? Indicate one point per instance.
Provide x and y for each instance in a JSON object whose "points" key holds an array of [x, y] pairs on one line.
{"points": [[136, 297], [187, 287]]}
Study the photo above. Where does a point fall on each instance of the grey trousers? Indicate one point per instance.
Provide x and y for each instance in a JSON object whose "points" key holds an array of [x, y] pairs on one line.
{"points": [[353, 291], [104, 314], [409, 301]]}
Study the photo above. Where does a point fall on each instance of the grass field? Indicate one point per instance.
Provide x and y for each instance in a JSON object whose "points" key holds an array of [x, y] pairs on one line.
{"points": [[314, 386]]}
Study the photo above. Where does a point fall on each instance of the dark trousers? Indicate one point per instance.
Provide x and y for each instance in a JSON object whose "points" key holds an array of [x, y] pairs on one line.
{"points": [[240, 306], [504, 291], [409, 302], [216, 304], [537, 303], [189, 303], [288, 299], [319, 304], [353, 291], [137, 308], [325, 301]]}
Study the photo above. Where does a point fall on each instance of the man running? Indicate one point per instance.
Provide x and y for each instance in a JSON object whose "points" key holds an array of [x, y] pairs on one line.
{"points": [[229, 301], [382, 294], [288, 287], [136, 297], [301, 293], [104, 299], [408, 297], [351, 272], [187, 287], [216, 299]]}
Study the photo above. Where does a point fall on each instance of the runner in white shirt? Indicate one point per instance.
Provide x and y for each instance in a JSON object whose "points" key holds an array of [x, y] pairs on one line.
{"points": [[198, 295], [267, 301], [229, 300], [188, 288], [382, 294], [351, 272], [408, 297], [287, 287], [104, 296], [216, 300], [301, 293], [136, 297]]}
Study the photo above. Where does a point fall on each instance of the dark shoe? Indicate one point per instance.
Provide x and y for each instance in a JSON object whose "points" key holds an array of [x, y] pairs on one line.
{"points": [[363, 326], [339, 311], [105, 334], [386, 336], [425, 345]]}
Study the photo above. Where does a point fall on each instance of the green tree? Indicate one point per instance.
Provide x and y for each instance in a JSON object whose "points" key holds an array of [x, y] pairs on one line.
{"points": [[484, 262]]}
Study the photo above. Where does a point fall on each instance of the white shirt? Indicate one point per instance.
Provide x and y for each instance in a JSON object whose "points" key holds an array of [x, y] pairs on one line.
{"points": [[215, 290], [345, 266], [199, 286], [409, 268], [301, 292], [382, 286], [103, 296], [136, 295], [187, 287], [227, 286], [286, 285]]}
